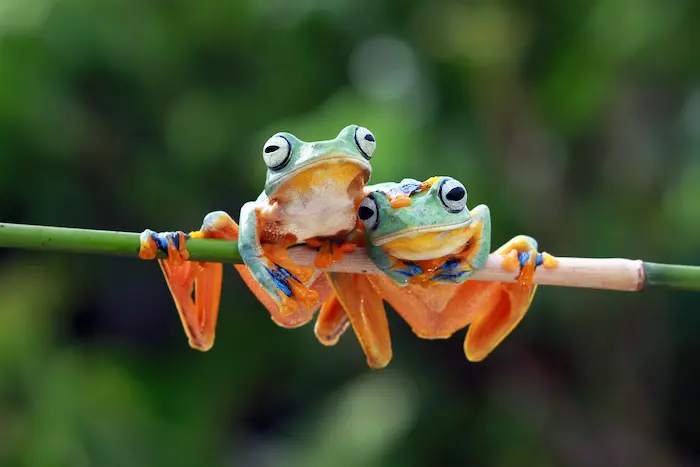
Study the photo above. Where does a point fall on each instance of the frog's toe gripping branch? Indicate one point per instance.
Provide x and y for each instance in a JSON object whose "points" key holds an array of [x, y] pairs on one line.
{"points": [[495, 322], [399, 271], [198, 315], [318, 285], [329, 251]]}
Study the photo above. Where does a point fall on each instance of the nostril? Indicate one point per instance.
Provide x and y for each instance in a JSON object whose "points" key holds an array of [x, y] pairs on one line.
{"points": [[456, 193]]}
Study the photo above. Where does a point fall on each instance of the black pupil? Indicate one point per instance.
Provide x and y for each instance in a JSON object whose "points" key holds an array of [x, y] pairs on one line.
{"points": [[271, 148], [365, 213], [369, 137], [455, 194]]}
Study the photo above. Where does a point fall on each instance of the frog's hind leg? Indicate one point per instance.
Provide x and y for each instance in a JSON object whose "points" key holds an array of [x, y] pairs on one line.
{"points": [[271, 274], [198, 315], [332, 321], [495, 322], [365, 310]]}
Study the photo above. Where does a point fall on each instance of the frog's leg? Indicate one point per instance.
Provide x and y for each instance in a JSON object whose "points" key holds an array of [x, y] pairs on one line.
{"points": [[493, 323], [437, 311], [365, 310], [397, 270], [329, 251], [317, 283], [332, 321], [198, 315], [460, 267], [272, 269]]}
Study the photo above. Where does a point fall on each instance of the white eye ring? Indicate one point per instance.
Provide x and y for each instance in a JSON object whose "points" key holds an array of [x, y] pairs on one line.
{"points": [[365, 141], [277, 152], [368, 213], [453, 195]]}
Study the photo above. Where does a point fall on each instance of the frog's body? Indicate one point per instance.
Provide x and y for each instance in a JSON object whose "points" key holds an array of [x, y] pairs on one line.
{"points": [[311, 195], [428, 244], [432, 238]]}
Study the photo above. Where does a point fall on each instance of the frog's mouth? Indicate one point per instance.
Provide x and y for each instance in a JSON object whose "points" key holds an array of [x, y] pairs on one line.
{"points": [[416, 231], [335, 161]]}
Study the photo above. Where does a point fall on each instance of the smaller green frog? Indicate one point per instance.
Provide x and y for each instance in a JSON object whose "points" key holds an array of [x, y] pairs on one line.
{"points": [[422, 231], [426, 241]]}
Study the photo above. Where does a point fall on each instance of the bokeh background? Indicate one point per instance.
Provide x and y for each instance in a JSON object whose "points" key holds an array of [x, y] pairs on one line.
{"points": [[577, 122]]}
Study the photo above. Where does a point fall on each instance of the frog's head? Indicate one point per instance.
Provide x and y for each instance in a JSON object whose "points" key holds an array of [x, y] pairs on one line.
{"points": [[432, 222], [296, 166]]}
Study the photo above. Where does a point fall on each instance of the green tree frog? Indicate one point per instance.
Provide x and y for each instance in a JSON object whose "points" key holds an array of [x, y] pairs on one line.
{"points": [[426, 241], [311, 195]]}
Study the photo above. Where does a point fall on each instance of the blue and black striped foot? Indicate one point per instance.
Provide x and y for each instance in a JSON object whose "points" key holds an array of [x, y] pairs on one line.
{"points": [[173, 244]]}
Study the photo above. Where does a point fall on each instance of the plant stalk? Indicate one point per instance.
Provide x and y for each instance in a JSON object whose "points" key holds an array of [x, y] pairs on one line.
{"points": [[596, 273]]}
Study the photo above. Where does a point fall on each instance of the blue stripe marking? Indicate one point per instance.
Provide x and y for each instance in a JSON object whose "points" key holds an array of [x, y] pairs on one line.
{"points": [[280, 281], [176, 240], [451, 264], [161, 242], [411, 270], [452, 276], [525, 257], [288, 274]]}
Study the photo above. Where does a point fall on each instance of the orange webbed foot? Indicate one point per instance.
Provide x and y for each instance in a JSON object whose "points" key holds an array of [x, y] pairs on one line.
{"points": [[187, 278], [278, 254]]}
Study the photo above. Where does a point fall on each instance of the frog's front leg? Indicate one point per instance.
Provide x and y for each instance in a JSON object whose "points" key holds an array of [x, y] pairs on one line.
{"points": [[399, 271], [198, 315], [460, 267], [511, 300], [273, 273]]}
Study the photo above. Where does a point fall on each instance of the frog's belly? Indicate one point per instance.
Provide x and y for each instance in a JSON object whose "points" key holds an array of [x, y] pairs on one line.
{"points": [[319, 216]]}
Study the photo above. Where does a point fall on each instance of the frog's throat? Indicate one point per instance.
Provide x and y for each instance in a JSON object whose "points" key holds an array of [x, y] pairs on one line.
{"points": [[420, 229], [335, 158]]}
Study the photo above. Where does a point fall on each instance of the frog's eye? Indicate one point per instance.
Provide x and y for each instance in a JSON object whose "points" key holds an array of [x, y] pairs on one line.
{"points": [[277, 152], [365, 141], [453, 195], [368, 213]]}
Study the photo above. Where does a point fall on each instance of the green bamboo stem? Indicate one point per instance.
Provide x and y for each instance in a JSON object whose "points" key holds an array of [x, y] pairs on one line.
{"points": [[672, 276], [597, 273], [69, 240]]}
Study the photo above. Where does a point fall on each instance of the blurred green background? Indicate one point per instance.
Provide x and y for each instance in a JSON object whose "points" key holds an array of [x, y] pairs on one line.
{"points": [[577, 122]]}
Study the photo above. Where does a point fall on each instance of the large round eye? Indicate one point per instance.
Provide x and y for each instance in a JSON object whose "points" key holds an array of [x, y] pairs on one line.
{"points": [[365, 141], [277, 152], [453, 195], [368, 213]]}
